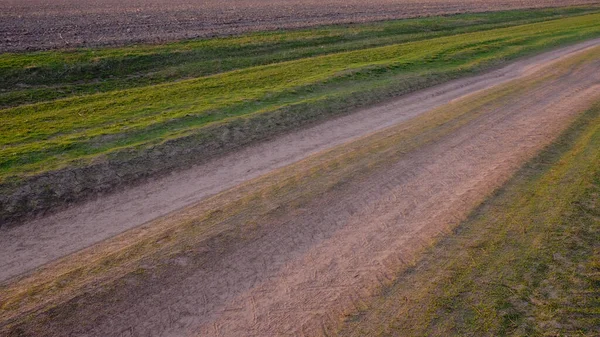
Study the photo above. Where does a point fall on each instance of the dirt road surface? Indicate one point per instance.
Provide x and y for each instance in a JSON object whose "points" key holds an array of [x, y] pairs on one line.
{"points": [[30, 245], [37, 24], [299, 275]]}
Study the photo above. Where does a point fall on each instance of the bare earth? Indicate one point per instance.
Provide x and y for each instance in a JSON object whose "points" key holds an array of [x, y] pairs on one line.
{"points": [[312, 265], [37, 24]]}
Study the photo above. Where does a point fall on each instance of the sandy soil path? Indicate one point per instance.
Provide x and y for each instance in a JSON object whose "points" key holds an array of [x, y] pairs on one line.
{"points": [[25, 247]]}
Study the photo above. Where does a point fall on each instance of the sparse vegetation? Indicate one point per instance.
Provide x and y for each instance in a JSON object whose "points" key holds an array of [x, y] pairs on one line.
{"points": [[526, 263]]}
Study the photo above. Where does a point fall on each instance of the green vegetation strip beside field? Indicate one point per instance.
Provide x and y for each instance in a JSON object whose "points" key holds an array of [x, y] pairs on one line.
{"points": [[57, 292], [40, 137], [40, 76], [526, 263]]}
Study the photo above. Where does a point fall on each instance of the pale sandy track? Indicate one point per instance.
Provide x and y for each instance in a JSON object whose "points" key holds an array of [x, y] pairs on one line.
{"points": [[308, 267], [33, 244]]}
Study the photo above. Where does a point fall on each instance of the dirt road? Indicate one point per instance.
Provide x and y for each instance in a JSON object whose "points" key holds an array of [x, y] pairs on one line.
{"points": [[36, 24], [297, 274], [37, 242]]}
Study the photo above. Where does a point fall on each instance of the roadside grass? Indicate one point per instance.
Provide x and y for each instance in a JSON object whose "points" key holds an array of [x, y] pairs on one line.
{"points": [[54, 293], [41, 137], [526, 262], [40, 76]]}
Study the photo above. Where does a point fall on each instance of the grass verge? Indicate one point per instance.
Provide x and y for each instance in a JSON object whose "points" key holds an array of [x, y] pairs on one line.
{"points": [[526, 263], [42, 76]]}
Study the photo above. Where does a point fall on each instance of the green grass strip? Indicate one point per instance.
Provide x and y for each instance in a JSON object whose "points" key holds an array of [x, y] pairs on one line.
{"points": [[41, 76], [39, 137]]}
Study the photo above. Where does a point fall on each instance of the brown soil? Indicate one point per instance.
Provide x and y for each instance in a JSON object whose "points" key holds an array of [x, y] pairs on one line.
{"points": [[307, 268], [37, 24]]}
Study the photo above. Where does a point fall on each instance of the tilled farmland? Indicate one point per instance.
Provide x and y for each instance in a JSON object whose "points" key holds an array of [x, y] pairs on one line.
{"points": [[39, 25]]}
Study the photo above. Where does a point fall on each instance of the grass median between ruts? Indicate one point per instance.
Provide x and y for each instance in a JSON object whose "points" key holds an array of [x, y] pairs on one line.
{"points": [[526, 263]]}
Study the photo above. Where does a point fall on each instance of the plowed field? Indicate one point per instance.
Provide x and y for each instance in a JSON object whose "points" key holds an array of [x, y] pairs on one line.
{"points": [[36, 24]]}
